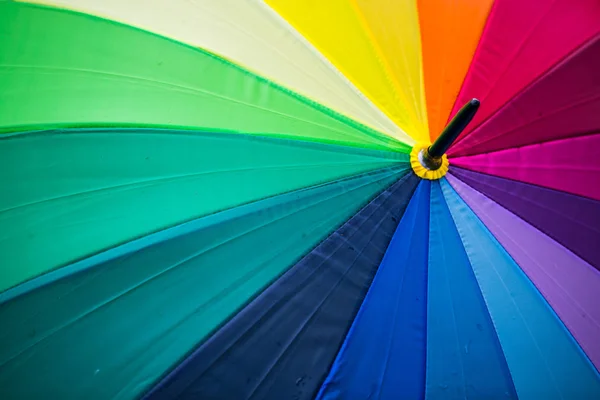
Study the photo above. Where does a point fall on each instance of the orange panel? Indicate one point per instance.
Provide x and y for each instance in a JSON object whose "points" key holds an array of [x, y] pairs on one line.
{"points": [[450, 31]]}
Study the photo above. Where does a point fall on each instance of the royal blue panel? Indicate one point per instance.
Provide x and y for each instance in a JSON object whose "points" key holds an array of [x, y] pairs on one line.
{"points": [[464, 357], [383, 356], [283, 343]]}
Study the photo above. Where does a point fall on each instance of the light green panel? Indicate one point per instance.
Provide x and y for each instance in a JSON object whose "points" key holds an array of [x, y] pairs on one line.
{"points": [[72, 194], [131, 314], [59, 68]]}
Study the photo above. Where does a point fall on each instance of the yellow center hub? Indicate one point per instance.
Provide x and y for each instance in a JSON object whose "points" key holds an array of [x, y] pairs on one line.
{"points": [[421, 169]]}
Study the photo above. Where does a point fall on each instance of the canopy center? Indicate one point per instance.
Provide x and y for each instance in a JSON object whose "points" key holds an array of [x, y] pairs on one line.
{"points": [[431, 162]]}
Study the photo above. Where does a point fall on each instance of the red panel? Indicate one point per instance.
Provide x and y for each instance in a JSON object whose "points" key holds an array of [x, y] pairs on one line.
{"points": [[564, 103], [521, 41]]}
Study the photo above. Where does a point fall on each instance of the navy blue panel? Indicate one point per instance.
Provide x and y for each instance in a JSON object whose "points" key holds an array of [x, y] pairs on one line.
{"points": [[383, 356], [464, 357], [283, 343]]}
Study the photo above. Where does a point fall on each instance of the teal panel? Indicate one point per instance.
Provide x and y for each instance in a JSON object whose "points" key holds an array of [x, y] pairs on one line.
{"points": [[71, 194], [110, 326]]}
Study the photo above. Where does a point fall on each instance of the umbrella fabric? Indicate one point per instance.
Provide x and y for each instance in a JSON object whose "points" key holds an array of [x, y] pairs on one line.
{"points": [[450, 36], [143, 284], [395, 292], [571, 220], [138, 78], [547, 109], [376, 45], [564, 165], [565, 280], [314, 302], [520, 45], [535, 343], [251, 34], [130, 173], [439, 303], [229, 200]]}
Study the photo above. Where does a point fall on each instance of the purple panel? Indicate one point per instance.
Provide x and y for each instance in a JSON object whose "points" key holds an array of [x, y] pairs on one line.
{"points": [[571, 220]]}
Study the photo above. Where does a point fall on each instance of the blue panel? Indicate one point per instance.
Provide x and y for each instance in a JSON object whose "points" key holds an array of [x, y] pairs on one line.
{"points": [[282, 344], [464, 358], [544, 360], [383, 356]]}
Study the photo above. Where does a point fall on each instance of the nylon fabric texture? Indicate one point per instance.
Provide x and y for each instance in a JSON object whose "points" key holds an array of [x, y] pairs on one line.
{"points": [[282, 344], [376, 44], [464, 357], [127, 317], [568, 219], [569, 165], [134, 78], [76, 193], [253, 36], [568, 283], [396, 363], [450, 32], [543, 358], [520, 43], [225, 199], [546, 110]]}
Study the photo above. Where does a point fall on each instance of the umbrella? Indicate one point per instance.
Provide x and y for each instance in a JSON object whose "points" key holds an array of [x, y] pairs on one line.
{"points": [[341, 199]]}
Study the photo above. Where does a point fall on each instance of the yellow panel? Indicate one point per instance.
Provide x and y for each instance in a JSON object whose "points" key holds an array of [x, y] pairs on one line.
{"points": [[450, 31], [249, 33], [376, 44]]}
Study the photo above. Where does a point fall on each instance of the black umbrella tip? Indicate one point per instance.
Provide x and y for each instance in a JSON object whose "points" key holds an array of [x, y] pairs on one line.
{"points": [[474, 102]]}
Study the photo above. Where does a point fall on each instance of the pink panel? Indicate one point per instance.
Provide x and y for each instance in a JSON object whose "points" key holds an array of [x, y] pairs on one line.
{"points": [[564, 103], [570, 165], [521, 41]]}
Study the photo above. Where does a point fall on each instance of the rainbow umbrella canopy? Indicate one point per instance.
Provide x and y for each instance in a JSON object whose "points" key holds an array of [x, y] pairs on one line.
{"points": [[238, 199]]}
